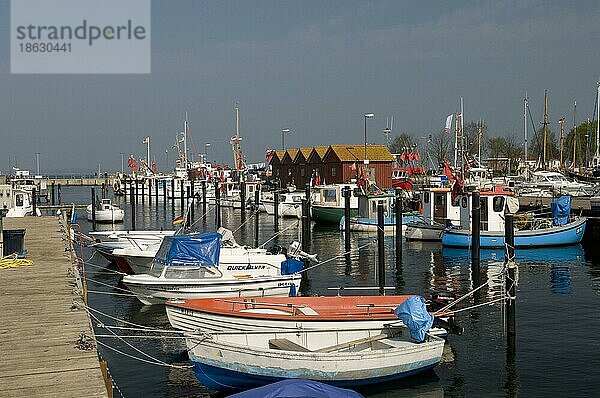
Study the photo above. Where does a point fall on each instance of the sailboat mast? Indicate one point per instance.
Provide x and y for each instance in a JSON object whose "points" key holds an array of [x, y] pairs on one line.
{"points": [[525, 127], [597, 155], [574, 135], [185, 133], [545, 123]]}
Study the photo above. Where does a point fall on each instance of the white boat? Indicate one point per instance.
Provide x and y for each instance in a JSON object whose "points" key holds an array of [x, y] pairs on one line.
{"points": [[191, 266], [552, 183], [438, 211], [125, 235], [106, 212], [17, 201], [327, 202], [344, 358], [290, 204]]}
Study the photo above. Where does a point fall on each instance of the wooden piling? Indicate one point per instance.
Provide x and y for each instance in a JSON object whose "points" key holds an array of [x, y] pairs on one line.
{"points": [[93, 209], [380, 249], [34, 200], [217, 205], [52, 197], [276, 207], [256, 218], [475, 239], [509, 239], [398, 230], [203, 200], [132, 202], [243, 201], [346, 195]]}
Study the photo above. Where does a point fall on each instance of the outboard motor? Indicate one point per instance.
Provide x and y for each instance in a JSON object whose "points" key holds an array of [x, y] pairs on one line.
{"points": [[294, 250]]}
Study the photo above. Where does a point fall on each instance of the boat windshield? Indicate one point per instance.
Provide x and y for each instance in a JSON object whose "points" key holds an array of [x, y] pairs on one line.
{"points": [[182, 272], [156, 269]]}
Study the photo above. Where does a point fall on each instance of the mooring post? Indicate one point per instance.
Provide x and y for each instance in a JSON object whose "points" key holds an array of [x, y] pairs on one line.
{"points": [[182, 197], [305, 238], [193, 199], [203, 200], [509, 239], [217, 205], [136, 188], [256, 222], [131, 199], [243, 200], [475, 238], [346, 194], [156, 190], [276, 207], [52, 195], [380, 249], [307, 194], [59, 194], [143, 190], [150, 192], [34, 200], [93, 209], [189, 210], [398, 229], [172, 196]]}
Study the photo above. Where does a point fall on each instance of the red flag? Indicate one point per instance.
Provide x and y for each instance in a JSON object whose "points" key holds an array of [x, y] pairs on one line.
{"points": [[448, 172], [417, 156], [154, 168]]}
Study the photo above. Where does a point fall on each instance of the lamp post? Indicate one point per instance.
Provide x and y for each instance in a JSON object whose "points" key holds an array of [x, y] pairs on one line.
{"points": [[367, 116], [283, 131], [206, 152], [122, 163], [37, 163]]}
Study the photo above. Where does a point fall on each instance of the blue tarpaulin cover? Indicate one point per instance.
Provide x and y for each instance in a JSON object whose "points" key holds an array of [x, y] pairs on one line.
{"points": [[193, 249], [297, 388], [561, 209], [413, 313], [291, 266]]}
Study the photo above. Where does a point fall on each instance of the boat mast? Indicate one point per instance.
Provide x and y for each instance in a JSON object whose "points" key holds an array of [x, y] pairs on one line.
{"points": [[185, 133], [574, 135], [545, 123], [597, 155], [561, 121], [525, 127], [479, 134]]}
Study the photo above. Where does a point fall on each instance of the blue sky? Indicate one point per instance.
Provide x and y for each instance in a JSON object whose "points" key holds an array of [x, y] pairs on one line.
{"points": [[313, 66]]}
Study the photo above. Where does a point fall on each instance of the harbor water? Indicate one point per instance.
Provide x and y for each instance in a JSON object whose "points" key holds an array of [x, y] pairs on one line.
{"points": [[558, 296]]}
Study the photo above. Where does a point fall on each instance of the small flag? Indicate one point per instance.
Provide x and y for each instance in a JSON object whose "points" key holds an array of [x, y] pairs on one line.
{"points": [[178, 220], [448, 124]]}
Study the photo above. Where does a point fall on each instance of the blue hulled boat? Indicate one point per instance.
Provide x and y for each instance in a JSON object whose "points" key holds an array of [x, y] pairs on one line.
{"points": [[560, 230]]}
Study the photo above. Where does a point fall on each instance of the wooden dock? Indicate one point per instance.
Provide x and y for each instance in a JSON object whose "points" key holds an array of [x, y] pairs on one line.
{"points": [[39, 330]]}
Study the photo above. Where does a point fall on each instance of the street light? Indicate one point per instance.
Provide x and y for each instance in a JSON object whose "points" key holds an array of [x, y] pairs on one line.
{"points": [[283, 131], [367, 116], [206, 152], [122, 163], [37, 163]]}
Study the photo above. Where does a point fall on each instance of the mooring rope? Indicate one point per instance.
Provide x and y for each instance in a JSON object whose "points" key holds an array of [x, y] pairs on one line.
{"points": [[339, 255], [279, 233]]}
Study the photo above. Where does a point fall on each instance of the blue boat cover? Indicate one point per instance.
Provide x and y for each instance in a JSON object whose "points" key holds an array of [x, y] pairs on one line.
{"points": [[297, 388], [415, 316], [193, 249], [561, 209], [291, 266]]}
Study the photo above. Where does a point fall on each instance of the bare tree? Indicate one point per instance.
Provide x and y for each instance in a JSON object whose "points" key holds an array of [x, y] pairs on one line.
{"points": [[441, 146], [401, 143]]}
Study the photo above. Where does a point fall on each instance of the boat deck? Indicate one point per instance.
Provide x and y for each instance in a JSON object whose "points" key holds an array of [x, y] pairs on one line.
{"points": [[39, 331]]}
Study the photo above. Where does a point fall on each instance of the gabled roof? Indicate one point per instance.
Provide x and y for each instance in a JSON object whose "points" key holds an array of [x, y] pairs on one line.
{"points": [[277, 156], [289, 156], [302, 155], [353, 153], [317, 153]]}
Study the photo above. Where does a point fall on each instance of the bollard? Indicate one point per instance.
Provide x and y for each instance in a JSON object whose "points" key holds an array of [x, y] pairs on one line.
{"points": [[52, 195], [217, 205], [398, 229], [380, 249], [276, 208], [256, 222], [509, 239], [346, 195], [93, 209], [132, 201], [204, 200], [243, 200], [475, 239]]}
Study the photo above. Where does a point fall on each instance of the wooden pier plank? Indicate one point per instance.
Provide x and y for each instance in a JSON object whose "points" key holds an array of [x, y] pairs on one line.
{"points": [[38, 328]]}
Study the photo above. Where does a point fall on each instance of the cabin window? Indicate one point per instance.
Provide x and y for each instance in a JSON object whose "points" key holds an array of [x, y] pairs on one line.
{"points": [[333, 171], [156, 269], [463, 202], [498, 203], [426, 197], [183, 272], [19, 200], [329, 195]]}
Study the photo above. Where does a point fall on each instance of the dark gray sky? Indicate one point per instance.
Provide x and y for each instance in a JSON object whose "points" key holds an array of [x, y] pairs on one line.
{"points": [[313, 66]]}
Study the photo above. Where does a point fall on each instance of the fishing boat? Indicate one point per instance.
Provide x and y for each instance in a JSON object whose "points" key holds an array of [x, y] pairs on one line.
{"points": [[340, 357], [401, 179], [106, 212], [437, 210], [559, 230], [366, 219], [290, 204], [17, 201], [191, 266], [327, 202]]}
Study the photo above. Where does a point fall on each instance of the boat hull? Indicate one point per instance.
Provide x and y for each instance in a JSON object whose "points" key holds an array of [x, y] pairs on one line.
{"points": [[423, 232], [245, 360], [370, 225], [328, 215], [568, 234]]}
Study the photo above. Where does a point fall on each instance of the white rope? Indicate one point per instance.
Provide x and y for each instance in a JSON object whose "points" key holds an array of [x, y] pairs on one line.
{"points": [[245, 222], [279, 233], [338, 256]]}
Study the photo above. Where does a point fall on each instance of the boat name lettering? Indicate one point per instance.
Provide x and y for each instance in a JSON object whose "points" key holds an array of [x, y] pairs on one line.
{"points": [[244, 267]]}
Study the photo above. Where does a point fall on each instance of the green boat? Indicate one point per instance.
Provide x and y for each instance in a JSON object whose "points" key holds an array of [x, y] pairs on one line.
{"points": [[327, 203]]}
